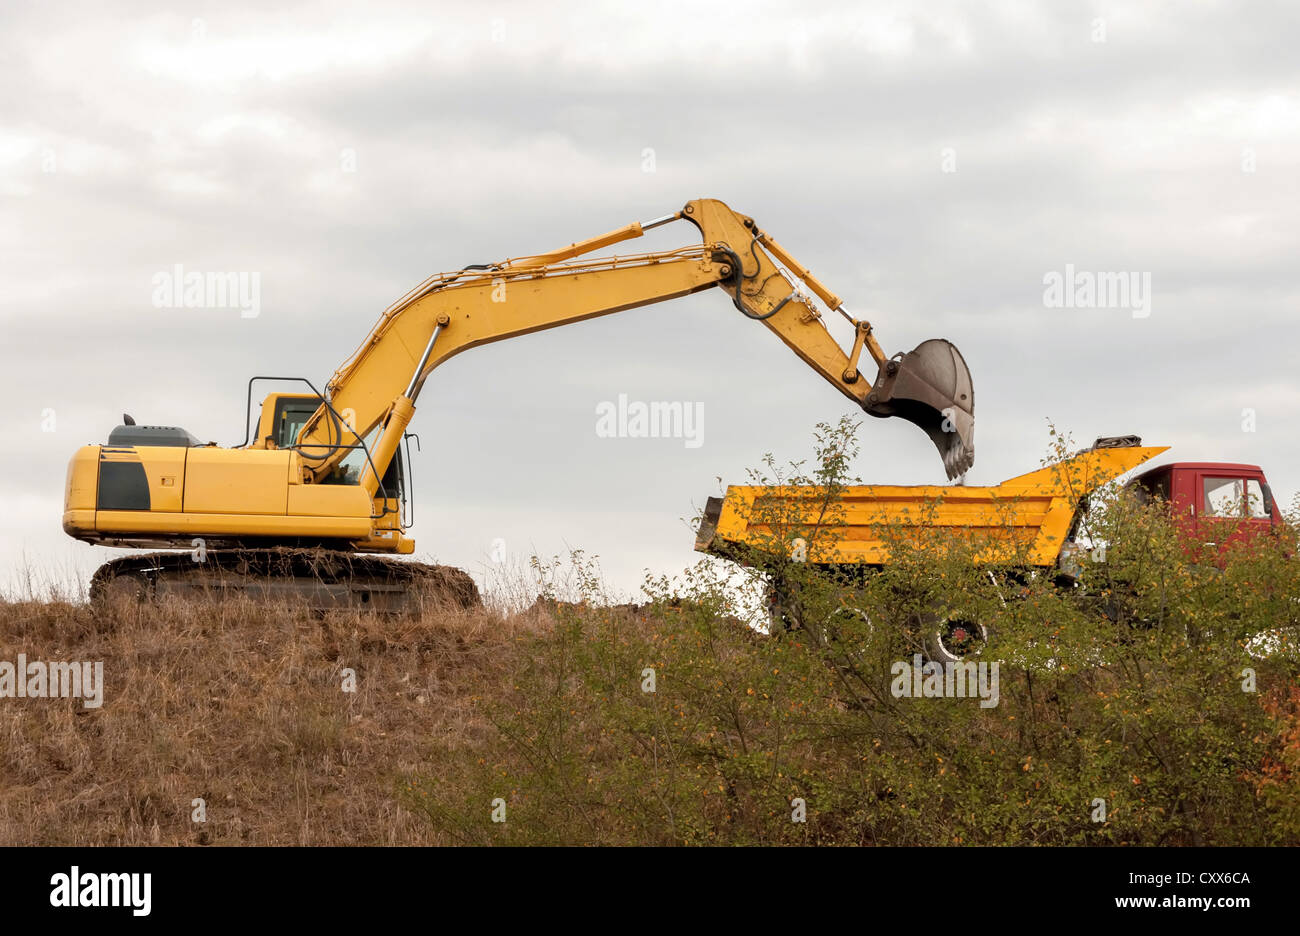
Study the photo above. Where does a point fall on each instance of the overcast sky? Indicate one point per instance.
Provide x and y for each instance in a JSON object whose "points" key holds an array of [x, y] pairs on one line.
{"points": [[933, 163]]}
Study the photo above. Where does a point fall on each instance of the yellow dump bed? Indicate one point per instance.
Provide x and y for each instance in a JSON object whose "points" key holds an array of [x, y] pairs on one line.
{"points": [[1025, 519]]}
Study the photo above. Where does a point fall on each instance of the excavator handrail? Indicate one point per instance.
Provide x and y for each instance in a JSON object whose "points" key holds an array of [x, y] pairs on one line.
{"points": [[248, 402]]}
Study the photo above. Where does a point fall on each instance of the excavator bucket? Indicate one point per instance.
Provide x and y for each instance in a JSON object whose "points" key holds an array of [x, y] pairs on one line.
{"points": [[931, 387]]}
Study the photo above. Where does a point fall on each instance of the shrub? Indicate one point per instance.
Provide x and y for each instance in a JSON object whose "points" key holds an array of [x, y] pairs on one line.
{"points": [[1140, 706]]}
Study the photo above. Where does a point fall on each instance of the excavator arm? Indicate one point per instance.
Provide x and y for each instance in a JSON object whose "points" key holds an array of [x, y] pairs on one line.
{"points": [[370, 400]]}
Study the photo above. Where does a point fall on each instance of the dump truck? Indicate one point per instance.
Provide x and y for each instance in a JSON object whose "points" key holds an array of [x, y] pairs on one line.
{"points": [[1031, 519], [315, 502], [1028, 519], [1029, 523]]}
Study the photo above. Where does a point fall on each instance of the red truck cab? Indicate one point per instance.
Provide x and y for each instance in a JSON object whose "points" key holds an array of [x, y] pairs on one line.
{"points": [[1221, 503]]}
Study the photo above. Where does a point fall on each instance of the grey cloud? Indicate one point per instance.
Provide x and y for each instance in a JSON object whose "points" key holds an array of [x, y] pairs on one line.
{"points": [[827, 127]]}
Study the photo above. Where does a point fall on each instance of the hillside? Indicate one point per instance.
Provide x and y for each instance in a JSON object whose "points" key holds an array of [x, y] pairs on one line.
{"points": [[672, 723], [242, 707]]}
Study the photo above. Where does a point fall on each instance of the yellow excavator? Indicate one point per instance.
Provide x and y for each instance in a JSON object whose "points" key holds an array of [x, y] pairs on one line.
{"points": [[309, 505]]}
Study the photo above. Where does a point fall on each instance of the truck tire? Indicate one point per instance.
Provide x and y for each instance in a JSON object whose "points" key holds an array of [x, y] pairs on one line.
{"points": [[952, 638]]}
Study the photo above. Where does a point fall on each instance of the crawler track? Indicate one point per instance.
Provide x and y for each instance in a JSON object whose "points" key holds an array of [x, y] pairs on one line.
{"points": [[319, 579]]}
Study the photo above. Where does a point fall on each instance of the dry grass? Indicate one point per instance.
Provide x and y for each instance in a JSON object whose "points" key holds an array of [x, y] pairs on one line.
{"points": [[243, 707]]}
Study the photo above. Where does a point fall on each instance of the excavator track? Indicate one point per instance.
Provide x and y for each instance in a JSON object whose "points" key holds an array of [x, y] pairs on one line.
{"points": [[316, 579]]}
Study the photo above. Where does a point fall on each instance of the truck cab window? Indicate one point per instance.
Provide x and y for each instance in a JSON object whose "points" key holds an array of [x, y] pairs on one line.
{"points": [[1259, 502], [1152, 488], [1223, 497]]}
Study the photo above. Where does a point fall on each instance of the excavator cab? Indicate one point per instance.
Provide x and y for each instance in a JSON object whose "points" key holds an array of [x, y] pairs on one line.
{"points": [[931, 387], [285, 414], [282, 417]]}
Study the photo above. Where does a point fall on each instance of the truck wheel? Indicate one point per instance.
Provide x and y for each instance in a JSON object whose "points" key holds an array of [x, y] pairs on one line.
{"points": [[844, 617], [955, 639]]}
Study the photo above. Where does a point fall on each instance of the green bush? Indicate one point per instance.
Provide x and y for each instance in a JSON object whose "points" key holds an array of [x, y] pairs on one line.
{"points": [[1140, 706]]}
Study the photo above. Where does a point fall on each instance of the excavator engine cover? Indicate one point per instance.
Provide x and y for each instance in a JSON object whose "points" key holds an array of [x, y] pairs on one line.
{"points": [[931, 387]]}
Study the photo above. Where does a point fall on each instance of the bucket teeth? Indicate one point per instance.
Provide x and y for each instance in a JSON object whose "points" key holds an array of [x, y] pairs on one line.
{"points": [[957, 459]]}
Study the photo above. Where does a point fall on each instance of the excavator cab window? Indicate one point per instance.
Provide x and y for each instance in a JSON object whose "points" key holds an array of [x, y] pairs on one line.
{"points": [[352, 467], [394, 478], [290, 416]]}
